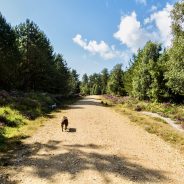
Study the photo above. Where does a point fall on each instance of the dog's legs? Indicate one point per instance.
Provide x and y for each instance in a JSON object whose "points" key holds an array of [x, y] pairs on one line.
{"points": [[62, 127]]}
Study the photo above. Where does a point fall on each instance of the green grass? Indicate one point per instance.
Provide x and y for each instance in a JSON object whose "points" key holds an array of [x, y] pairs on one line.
{"points": [[20, 116], [170, 110], [11, 117]]}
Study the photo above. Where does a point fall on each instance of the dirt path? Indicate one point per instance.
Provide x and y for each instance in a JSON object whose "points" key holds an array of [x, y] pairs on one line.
{"points": [[167, 120], [101, 147]]}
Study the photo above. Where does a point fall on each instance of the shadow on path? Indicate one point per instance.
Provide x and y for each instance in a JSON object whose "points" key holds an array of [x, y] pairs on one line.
{"points": [[76, 160]]}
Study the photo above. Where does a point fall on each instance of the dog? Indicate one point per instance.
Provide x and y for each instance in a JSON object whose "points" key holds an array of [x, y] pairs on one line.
{"points": [[64, 122]]}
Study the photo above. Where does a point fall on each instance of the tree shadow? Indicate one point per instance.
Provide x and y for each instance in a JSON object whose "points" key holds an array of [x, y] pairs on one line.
{"points": [[50, 116], [73, 107], [5, 179], [90, 101], [75, 159], [94, 146], [86, 101]]}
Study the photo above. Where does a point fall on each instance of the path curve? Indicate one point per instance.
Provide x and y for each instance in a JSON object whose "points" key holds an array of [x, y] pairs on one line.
{"points": [[167, 120], [101, 147]]}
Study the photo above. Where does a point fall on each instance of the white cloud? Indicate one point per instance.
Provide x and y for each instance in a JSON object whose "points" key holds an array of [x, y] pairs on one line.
{"points": [[78, 39], [147, 20], [93, 47], [141, 1], [132, 34], [153, 8], [162, 21]]}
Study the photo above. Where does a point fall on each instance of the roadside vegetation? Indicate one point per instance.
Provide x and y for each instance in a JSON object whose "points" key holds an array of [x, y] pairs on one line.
{"points": [[170, 110], [154, 81], [32, 79], [132, 107], [22, 113], [154, 73]]}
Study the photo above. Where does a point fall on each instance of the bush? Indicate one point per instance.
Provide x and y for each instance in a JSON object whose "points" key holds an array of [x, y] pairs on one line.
{"points": [[11, 117]]}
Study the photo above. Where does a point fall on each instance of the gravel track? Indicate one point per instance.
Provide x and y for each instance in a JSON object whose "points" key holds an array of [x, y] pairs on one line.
{"points": [[101, 147]]}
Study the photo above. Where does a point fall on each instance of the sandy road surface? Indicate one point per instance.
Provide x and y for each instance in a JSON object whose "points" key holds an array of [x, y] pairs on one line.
{"points": [[101, 147]]}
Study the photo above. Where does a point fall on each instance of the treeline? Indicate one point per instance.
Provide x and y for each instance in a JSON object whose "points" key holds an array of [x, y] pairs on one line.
{"points": [[28, 61], [154, 73], [104, 82]]}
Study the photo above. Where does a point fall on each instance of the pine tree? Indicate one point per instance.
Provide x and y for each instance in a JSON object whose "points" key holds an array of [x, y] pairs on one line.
{"points": [[37, 56], [104, 80], [9, 56], [115, 83]]}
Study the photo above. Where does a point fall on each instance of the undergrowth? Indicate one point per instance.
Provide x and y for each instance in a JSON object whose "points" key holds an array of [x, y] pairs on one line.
{"points": [[167, 109], [22, 113]]}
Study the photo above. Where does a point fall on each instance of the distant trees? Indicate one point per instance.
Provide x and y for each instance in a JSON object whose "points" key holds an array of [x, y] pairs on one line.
{"points": [[153, 74], [28, 62], [84, 87], [104, 82], [74, 82], [91, 85], [115, 83]]}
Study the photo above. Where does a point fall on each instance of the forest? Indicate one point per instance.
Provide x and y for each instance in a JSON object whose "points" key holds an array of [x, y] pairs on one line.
{"points": [[154, 73], [122, 125], [28, 61]]}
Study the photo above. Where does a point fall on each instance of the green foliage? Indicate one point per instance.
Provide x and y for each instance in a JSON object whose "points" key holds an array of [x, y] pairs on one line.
{"points": [[115, 84], [146, 74], [171, 110], [31, 105], [9, 55], [175, 64], [60, 76], [24, 113], [11, 117], [74, 82], [36, 56], [94, 84], [104, 80], [84, 87], [27, 61]]}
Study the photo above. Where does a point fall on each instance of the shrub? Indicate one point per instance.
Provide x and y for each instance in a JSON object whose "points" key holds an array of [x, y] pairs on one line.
{"points": [[11, 117]]}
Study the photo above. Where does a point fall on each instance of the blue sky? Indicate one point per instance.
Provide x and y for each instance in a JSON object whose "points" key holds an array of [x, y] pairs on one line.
{"points": [[95, 34]]}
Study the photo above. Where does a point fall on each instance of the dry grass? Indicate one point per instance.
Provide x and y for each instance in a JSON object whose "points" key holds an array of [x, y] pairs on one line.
{"points": [[152, 125]]}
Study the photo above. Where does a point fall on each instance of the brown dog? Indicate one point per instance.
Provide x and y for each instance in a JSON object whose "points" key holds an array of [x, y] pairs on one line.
{"points": [[64, 122]]}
